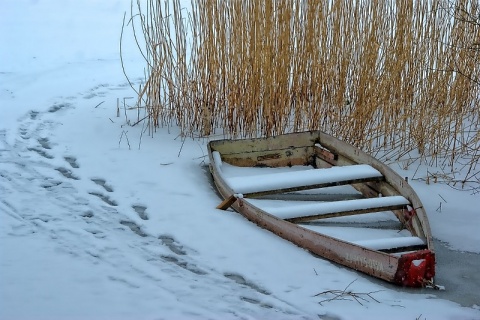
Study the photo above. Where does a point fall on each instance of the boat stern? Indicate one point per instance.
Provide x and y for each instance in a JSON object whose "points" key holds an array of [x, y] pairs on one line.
{"points": [[416, 269]]}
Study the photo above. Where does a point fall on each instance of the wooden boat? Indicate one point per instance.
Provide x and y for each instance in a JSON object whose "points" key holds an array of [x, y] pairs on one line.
{"points": [[331, 198]]}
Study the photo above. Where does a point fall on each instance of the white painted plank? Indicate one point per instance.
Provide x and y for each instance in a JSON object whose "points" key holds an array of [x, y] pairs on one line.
{"points": [[390, 243], [312, 177], [357, 234], [295, 209]]}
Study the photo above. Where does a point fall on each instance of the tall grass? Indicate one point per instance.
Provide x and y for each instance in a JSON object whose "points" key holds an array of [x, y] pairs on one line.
{"points": [[390, 76]]}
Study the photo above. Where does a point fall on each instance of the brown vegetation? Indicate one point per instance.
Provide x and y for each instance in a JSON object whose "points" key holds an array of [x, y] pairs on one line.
{"points": [[399, 77]]}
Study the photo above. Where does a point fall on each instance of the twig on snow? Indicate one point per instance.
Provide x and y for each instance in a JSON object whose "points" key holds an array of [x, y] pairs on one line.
{"points": [[346, 294], [126, 137]]}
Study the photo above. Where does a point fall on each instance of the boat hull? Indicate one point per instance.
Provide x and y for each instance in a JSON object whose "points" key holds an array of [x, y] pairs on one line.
{"points": [[414, 269]]}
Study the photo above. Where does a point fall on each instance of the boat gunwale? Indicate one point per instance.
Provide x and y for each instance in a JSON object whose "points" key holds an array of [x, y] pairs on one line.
{"points": [[314, 241]]}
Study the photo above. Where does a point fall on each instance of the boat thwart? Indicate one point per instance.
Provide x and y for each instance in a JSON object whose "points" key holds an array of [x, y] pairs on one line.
{"points": [[253, 174]]}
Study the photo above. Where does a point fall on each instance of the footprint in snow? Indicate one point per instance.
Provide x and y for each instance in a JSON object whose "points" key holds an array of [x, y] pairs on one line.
{"points": [[87, 214], [33, 114], [96, 233], [97, 91], [67, 173], [25, 123], [257, 302], [242, 281], [172, 245], [58, 107], [24, 133], [140, 210], [104, 198], [101, 182], [185, 265], [41, 152], [45, 143], [134, 227], [72, 161]]}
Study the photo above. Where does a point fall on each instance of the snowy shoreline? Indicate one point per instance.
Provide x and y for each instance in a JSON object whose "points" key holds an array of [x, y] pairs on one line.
{"points": [[94, 227]]}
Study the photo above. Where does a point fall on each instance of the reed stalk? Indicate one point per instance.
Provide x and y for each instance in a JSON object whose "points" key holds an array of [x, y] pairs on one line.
{"points": [[383, 75]]}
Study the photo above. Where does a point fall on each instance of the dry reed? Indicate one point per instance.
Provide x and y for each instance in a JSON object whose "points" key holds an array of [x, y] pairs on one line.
{"points": [[399, 77]]}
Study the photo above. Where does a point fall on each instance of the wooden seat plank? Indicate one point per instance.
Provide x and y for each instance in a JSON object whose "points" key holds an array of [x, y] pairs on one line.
{"points": [[302, 180], [393, 244], [302, 211]]}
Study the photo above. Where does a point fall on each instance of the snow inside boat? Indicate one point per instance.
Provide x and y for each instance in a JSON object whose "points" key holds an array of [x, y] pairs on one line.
{"points": [[331, 198]]}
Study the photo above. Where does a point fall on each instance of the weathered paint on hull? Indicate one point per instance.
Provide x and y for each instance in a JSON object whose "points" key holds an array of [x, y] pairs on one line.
{"points": [[413, 269]]}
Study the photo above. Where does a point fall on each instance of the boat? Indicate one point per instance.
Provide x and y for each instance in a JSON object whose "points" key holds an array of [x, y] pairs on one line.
{"points": [[330, 198]]}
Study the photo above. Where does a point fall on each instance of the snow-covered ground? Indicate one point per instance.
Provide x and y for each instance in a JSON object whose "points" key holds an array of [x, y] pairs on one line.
{"points": [[92, 226]]}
